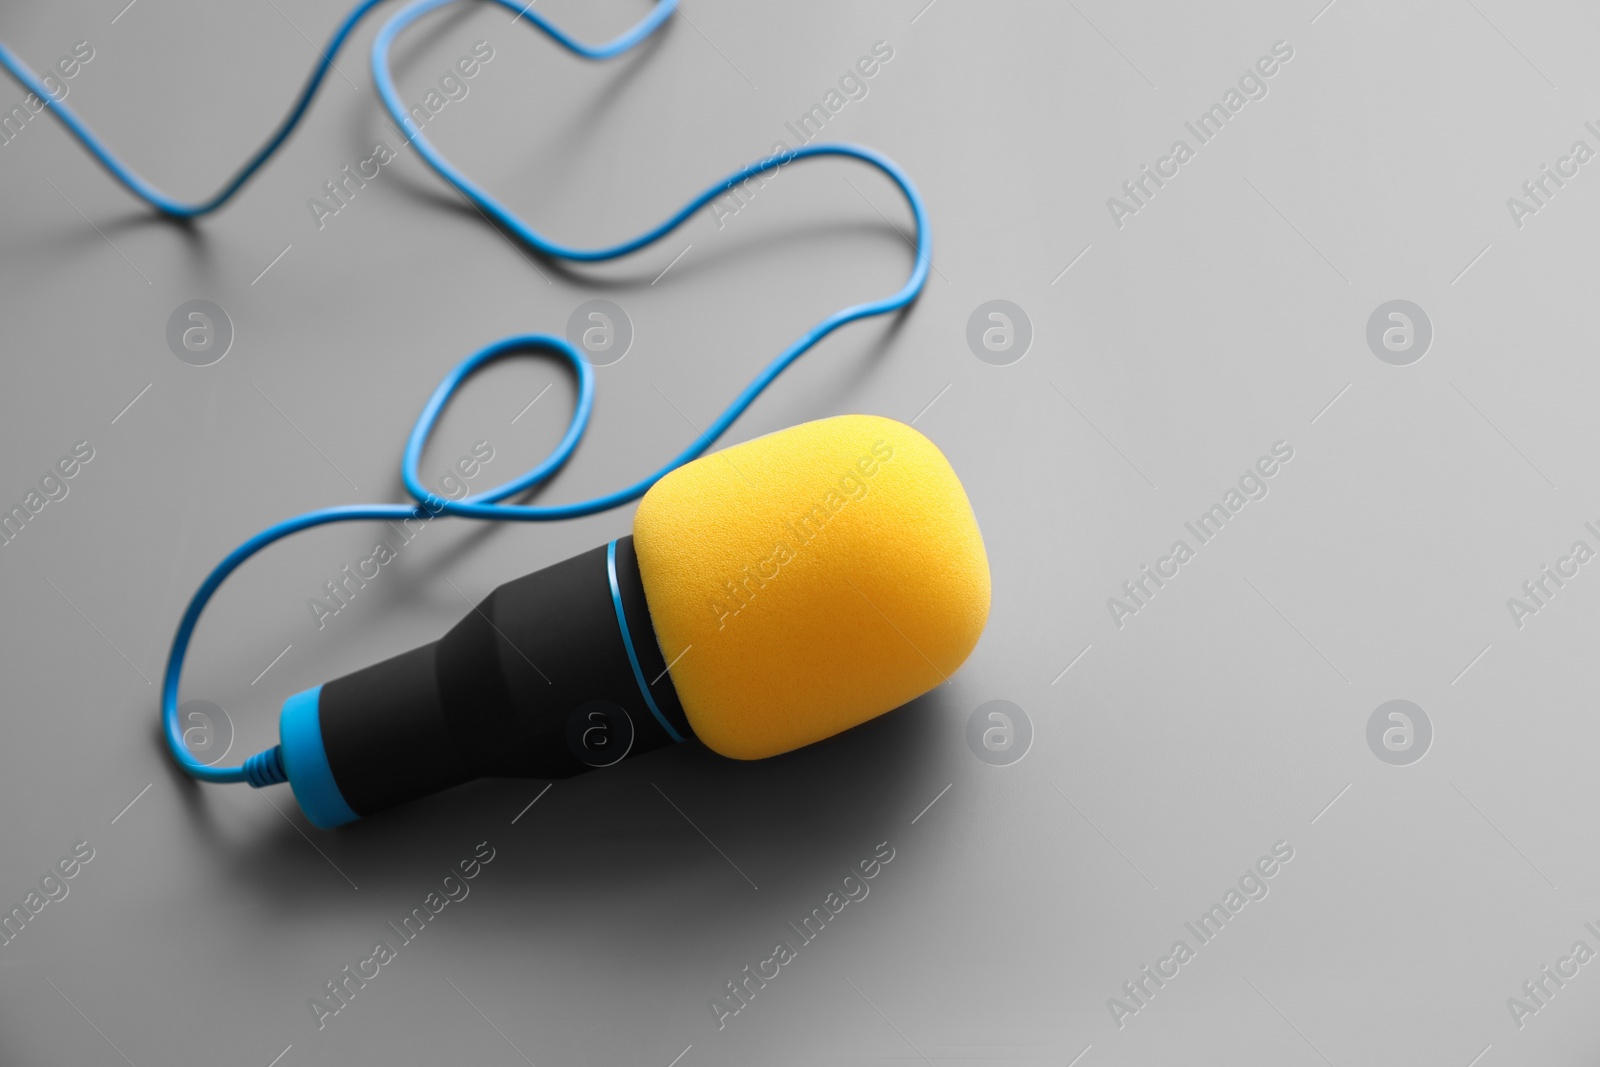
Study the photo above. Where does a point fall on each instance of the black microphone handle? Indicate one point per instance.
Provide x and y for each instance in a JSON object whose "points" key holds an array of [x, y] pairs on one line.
{"points": [[535, 682]]}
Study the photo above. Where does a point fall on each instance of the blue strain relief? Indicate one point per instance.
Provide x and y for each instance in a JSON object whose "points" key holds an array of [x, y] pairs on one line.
{"points": [[265, 768]]}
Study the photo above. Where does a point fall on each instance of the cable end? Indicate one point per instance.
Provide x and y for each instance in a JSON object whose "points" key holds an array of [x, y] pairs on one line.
{"points": [[265, 768]]}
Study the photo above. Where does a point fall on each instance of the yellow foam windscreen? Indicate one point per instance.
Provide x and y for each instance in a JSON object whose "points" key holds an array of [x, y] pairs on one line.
{"points": [[809, 580]]}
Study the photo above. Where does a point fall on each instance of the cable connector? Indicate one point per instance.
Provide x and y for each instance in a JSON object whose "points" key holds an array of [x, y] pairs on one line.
{"points": [[265, 768]]}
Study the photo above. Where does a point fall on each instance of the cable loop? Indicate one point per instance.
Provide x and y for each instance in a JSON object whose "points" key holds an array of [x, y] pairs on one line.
{"points": [[266, 767]]}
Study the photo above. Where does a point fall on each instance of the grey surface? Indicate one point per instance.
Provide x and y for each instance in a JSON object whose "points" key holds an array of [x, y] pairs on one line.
{"points": [[1167, 754]]}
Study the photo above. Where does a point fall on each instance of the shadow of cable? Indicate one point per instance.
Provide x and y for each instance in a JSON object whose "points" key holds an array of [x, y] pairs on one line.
{"points": [[680, 822]]}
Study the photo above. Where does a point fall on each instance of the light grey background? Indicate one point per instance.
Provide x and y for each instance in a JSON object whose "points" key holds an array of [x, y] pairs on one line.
{"points": [[1167, 756]]}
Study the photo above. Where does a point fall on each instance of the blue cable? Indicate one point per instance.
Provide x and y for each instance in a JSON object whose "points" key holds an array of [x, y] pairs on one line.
{"points": [[266, 767], [149, 193]]}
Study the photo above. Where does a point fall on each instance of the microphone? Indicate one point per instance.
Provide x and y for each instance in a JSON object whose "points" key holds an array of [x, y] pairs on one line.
{"points": [[772, 594]]}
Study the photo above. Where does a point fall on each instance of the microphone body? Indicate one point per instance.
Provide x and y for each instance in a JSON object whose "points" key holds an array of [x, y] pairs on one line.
{"points": [[547, 677], [772, 594]]}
